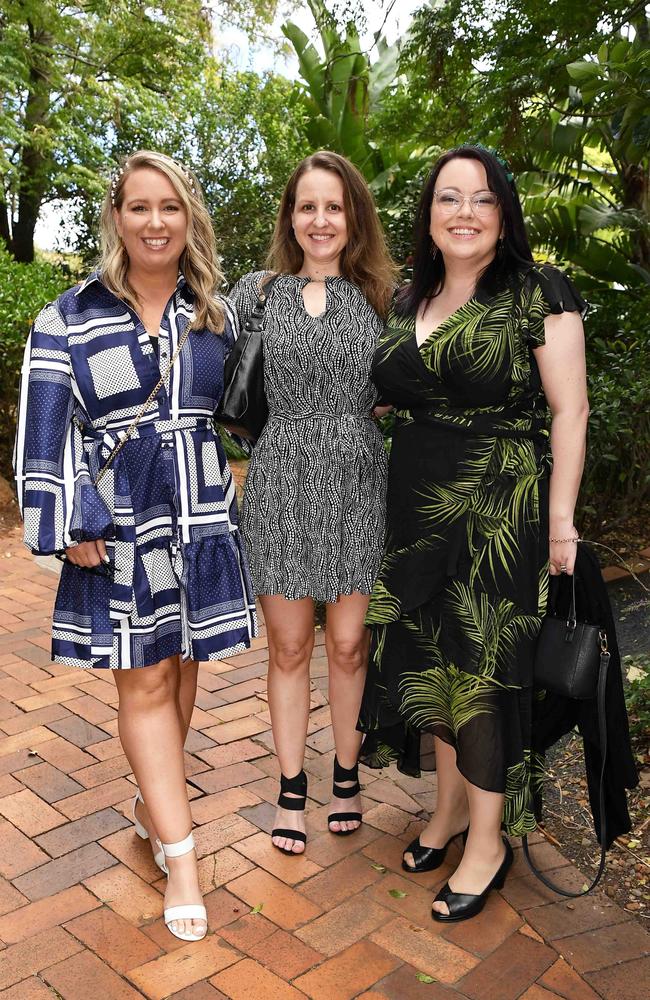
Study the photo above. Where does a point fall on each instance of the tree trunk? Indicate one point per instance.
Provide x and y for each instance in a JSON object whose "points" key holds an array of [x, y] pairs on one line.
{"points": [[34, 162], [23, 238]]}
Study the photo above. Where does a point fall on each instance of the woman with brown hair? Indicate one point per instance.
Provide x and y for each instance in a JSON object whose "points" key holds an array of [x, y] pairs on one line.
{"points": [[120, 472], [313, 512]]}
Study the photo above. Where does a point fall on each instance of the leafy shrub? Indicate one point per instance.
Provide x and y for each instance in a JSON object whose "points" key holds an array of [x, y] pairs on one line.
{"points": [[24, 290], [636, 670], [617, 470]]}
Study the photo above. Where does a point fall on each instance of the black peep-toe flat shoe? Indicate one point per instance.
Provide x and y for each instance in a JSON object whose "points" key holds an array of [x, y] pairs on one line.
{"points": [[463, 905], [427, 859], [296, 786], [345, 774]]}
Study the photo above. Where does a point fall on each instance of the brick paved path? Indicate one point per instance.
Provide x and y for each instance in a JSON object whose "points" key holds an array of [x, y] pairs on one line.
{"points": [[80, 897]]}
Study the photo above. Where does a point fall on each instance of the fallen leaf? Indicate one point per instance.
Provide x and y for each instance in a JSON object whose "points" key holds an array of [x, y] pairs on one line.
{"points": [[397, 894], [379, 868], [258, 908], [424, 978]]}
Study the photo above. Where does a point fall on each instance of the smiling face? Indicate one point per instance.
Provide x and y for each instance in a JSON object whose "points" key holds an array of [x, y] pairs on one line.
{"points": [[151, 220], [464, 236], [318, 219]]}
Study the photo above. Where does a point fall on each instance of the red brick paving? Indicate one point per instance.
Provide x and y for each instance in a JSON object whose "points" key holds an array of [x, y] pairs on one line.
{"points": [[81, 900]]}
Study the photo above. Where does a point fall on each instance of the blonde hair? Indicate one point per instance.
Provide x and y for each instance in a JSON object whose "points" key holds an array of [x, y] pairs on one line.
{"points": [[199, 261], [365, 259]]}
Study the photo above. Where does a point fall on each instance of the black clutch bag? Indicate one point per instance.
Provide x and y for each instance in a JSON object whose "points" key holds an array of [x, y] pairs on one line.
{"points": [[243, 408], [572, 660]]}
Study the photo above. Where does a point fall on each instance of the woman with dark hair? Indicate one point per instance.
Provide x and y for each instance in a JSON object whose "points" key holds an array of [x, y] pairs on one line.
{"points": [[476, 347], [313, 511]]}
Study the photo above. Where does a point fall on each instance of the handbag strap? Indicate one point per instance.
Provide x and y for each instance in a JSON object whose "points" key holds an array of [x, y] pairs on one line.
{"points": [[571, 619], [136, 420], [254, 322], [602, 736]]}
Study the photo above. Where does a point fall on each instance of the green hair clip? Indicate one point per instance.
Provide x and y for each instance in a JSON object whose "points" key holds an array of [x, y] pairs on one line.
{"points": [[497, 156]]}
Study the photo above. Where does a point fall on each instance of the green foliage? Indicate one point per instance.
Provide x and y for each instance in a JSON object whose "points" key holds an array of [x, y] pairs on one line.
{"points": [[592, 164], [70, 73], [637, 695], [233, 129], [244, 147], [562, 88], [342, 95], [566, 96], [484, 67], [617, 471], [24, 290]]}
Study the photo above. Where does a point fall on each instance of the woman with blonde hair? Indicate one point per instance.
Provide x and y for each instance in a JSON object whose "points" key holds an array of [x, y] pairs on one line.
{"points": [[313, 512], [121, 474]]}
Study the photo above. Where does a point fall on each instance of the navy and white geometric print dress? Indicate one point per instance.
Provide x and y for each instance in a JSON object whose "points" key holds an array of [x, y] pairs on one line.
{"points": [[315, 496], [166, 506]]}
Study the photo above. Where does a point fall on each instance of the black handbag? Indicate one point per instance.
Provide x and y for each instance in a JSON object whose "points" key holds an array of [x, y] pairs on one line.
{"points": [[572, 660], [243, 408], [568, 654]]}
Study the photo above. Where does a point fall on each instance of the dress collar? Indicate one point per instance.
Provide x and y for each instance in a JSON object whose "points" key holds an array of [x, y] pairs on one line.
{"points": [[181, 285]]}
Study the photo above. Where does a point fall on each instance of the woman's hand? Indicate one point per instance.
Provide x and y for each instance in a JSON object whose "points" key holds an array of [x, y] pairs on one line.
{"points": [[562, 554], [87, 554], [381, 411]]}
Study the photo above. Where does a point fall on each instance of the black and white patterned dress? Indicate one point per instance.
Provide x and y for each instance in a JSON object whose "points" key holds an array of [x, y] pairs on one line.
{"points": [[314, 502]]}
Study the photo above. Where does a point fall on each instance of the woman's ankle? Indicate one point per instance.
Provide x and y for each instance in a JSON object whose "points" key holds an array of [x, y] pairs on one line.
{"points": [[451, 814]]}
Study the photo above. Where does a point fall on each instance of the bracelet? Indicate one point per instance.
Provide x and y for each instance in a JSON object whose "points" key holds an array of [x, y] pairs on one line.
{"points": [[575, 539]]}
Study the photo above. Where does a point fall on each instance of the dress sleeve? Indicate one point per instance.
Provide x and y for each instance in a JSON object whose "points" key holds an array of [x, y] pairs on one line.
{"points": [[245, 293], [231, 328], [548, 290], [58, 501]]}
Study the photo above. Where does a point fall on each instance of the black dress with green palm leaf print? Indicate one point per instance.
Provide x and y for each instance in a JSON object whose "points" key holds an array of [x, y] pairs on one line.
{"points": [[462, 586]]}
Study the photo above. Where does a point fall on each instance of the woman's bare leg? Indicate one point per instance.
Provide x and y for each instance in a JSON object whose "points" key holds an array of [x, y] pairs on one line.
{"points": [[484, 849], [189, 672], [152, 737], [186, 697], [452, 807], [347, 643], [290, 630]]}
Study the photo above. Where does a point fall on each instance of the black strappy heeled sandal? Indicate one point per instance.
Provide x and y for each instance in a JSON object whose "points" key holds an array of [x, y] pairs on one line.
{"points": [[427, 859], [464, 905], [345, 774], [296, 786]]}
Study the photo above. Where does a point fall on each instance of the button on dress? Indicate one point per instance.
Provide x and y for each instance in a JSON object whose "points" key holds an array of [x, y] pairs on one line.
{"points": [[313, 509], [178, 581]]}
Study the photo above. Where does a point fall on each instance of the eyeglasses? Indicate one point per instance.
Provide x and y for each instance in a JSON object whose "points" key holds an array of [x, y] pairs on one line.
{"points": [[483, 203]]}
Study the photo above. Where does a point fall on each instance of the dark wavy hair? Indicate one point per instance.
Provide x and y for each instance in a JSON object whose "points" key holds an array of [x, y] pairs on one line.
{"points": [[513, 257]]}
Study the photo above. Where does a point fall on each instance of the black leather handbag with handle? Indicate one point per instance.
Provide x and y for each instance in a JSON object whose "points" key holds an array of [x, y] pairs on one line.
{"points": [[572, 660], [243, 408]]}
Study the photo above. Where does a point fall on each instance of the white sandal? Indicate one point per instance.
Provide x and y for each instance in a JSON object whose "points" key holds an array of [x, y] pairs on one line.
{"points": [[158, 856], [189, 911]]}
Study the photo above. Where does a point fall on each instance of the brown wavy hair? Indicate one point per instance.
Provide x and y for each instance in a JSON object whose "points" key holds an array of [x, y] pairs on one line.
{"points": [[199, 261], [365, 260]]}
